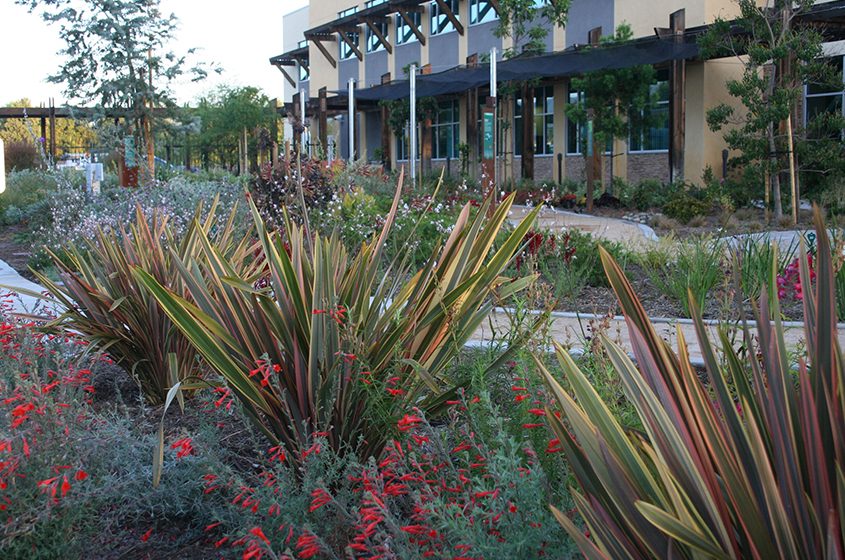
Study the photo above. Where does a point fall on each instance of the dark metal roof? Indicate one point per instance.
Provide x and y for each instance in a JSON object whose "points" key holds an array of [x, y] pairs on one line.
{"points": [[291, 57]]}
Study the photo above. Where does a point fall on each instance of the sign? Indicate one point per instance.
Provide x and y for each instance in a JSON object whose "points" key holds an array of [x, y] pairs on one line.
{"points": [[488, 136], [129, 153]]}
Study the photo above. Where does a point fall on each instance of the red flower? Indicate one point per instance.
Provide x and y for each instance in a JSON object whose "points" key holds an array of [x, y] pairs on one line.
{"points": [[80, 475], [319, 498], [258, 532], [408, 422], [185, 447], [146, 536]]}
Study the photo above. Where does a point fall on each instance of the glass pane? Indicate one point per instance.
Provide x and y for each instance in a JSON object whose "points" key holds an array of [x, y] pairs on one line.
{"points": [[824, 104], [836, 64], [550, 136]]}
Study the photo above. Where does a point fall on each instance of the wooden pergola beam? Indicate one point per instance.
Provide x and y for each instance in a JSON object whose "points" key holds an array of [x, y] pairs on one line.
{"points": [[677, 102], [495, 4], [318, 42], [447, 9], [403, 13], [342, 33], [377, 32], [290, 80]]}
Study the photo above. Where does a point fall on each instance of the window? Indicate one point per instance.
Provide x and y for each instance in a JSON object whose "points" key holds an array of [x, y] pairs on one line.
{"points": [[373, 3], [302, 44], [824, 99], [347, 12], [404, 33], [446, 131], [574, 130], [577, 133], [304, 74], [544, 122], [373, 42], [481, 11], [440, 22], [652, 135], [346, 51], [403, 144]]}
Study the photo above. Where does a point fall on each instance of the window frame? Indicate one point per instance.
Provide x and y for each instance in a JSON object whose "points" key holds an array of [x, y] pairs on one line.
{"points": [[475, 10], [435, 13], [401, 24], [374, 44], [345, 52], [454, 125], [662, 105], [541, 115]]}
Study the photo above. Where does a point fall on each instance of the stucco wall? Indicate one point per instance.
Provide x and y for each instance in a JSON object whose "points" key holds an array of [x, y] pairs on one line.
{"points": [[375, 65], [443, 51], [480, 38], [403, 55], [585, 15]]}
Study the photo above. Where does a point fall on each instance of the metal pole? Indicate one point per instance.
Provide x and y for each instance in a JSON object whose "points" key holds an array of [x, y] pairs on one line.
{"points": [[304, 137], [351, 120], [493, 80], [413, 132]]}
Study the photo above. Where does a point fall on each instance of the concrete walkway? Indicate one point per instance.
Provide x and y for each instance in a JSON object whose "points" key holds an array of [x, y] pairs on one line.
{"points": [[611, 229], [572, 330], [10, 280]]}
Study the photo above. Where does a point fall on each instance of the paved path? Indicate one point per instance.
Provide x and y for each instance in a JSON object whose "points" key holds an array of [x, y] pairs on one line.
{"points": [[9, 278], [571, 330], [612, 229]]}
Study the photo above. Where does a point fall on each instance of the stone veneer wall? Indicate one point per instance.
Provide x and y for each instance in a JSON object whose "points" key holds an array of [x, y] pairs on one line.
{"points": [[648, 166]]}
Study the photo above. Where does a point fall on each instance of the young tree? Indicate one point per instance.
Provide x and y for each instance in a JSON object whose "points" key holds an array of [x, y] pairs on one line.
{"points": [[777, 58], [117, 56], [612, 104], [527, 24]]}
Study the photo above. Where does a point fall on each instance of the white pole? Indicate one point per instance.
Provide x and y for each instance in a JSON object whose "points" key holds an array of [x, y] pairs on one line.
{"points": [[351, 120], [2, 167], [304, 137], [413, 132], [493, 92]]}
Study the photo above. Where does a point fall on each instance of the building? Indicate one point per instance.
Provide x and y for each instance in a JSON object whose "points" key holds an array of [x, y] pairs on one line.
{"points": [[373, 43]]}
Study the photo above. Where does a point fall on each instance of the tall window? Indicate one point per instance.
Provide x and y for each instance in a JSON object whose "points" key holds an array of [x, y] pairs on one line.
{"points": [[824, 98], [345, 50], [304, 74], [403, 144], [544, 122], [347, 12], [373, 42], [653, 134], [574, 130], [404, 33], [481, 11], [372, 3], [446, 131], [440, 22]]}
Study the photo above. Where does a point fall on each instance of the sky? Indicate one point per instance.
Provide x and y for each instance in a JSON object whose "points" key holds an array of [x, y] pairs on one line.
{"points": [[239, 36]]}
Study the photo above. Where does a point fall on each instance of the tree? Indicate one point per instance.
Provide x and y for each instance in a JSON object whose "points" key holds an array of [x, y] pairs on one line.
{"points": [[612, 104], [777, 58], [224, 114], [116, 56], [526, 23]]}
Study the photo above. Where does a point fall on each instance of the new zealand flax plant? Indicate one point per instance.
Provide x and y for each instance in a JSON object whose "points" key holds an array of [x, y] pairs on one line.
{"points": [[338, 344], [98, 296], [742, 460]]}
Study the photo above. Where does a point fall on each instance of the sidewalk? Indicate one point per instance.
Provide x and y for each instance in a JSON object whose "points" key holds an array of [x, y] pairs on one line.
{"points": [[20, 303], [612, 229], [571, 330]]}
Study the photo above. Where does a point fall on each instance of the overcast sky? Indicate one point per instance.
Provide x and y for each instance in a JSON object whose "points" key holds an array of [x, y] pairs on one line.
{"points": [[240, 36]]}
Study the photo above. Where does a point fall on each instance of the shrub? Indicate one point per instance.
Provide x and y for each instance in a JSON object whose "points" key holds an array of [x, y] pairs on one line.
{"points": [[679, 268], [276, 189], [743, 463], [648, 194], [21, 156], [333, 345], [99, 297], [683, 206]]}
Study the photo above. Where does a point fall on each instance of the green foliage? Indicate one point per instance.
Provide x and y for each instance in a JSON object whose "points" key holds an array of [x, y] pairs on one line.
{"points": [[746, 459], [681, 267], [27, 191], [683, 206], [648, 194], [316, 349], [756, 135], [98, 296], [614, 99], [527, 24], [753, 260], [223, 115]]}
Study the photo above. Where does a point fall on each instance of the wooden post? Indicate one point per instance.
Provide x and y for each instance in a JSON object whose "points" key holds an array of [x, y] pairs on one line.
{"points": [[297, 125], [677, 101], [322, 121], [52, 131], [472, 122], [527, 131], [593, 170], [385, 130], [425, 135]]}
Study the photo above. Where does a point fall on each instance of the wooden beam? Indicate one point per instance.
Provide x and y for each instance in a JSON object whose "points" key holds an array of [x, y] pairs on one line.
{"points": [[593, 171], [447, 9], [297, 124], [527, 131], [377, 32], [318, 42], [403, 13], [342, 33], [290, 80], [385, 129], [677, 102], [495, 4], [304, 63], [323, 120]]}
